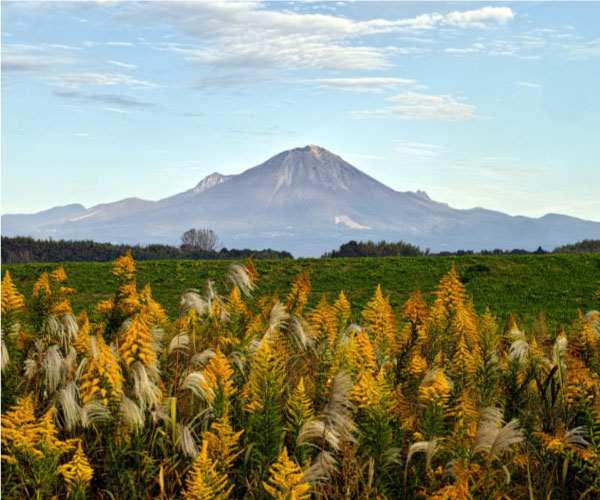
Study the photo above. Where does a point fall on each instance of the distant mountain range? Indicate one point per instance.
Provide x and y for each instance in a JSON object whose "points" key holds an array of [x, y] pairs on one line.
{"points": [[305, 200]]}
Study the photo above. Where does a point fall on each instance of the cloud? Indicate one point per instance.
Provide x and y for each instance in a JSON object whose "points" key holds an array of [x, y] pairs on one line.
{"points": [[272, 131], [30, 58], [285, 39], [373, 85], [79, 79], [481, 17], [111, 99], [530, 85], [417, 106], [122, 64], [419, 150], [120, 44]]}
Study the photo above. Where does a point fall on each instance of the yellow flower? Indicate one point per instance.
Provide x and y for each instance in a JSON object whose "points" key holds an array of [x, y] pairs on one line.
{"points": [[204, 482], [136, 343], [298, 296], [124, 267], [380, 320], [217, 376], [435, 388], [12, 300], [362, 355], [299, 407], [77, 472], [222, 443], [42, 285], [59, 275], [285, 480], [102, 377]]}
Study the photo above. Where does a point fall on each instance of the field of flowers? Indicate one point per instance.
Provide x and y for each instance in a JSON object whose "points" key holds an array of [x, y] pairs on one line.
{"points": [[249, 394]]}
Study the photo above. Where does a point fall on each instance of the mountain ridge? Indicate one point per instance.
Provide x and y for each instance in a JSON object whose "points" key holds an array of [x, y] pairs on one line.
{"points": [[305, 200]]}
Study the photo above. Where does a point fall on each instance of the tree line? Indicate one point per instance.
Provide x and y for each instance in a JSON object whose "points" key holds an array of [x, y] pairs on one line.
{"points": [[25, 249], [403, 249]]}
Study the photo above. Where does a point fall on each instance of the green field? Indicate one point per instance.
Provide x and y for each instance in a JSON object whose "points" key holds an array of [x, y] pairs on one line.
{"points": [[523, 285]]}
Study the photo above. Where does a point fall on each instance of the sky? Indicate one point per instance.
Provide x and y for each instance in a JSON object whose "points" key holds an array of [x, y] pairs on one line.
{"points": [[492, 104]]}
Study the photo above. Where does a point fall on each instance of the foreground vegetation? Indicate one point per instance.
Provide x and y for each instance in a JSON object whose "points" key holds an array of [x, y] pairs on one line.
{"points": [[522, 285], [251, 394]]}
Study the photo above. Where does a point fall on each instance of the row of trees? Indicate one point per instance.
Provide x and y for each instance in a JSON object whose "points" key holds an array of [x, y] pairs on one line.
{"points": [[403, 249], [24, 249]]}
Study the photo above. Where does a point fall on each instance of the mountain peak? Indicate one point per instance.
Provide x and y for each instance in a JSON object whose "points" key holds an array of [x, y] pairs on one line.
{"points": [[210, 181]]}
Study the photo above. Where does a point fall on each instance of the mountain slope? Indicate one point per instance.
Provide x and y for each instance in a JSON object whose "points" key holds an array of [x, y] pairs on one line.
{"points": [[308, 201]]}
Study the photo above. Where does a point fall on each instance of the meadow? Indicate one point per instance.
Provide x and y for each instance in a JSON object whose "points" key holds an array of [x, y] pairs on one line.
{"points": [[291, 380], [522, 285]]}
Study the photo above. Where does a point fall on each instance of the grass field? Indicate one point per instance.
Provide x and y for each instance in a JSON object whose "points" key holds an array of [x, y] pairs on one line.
{"points": [[522, 285]]}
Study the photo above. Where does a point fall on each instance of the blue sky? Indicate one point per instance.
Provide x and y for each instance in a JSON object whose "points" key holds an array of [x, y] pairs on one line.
{"points": [[479, 104]]}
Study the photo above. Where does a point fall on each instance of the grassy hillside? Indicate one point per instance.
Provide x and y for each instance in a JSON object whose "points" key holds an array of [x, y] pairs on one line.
{"points": [[521, 285]]}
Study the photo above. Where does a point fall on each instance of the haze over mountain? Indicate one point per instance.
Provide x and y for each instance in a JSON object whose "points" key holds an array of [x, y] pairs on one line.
{"points": [[307, 201]]}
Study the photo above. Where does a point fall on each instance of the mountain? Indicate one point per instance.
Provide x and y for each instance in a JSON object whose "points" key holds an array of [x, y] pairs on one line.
{"points": [[305, 200]]}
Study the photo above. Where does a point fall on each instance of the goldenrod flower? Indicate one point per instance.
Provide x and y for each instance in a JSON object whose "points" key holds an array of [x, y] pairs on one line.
{"points": [[204, 482], [136, 343], [298, 296], [77, 472], [59, 275], [435, 388], [222, 443], [361, 354], [299, 407], [102, 378], [124, 267], [285, 481], [380, 320], [12, 300], [42, 285], [217, 376]]}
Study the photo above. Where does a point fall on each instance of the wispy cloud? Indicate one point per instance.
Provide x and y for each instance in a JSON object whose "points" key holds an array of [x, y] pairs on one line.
{"points": [[419, 150], [530, 85], [79, 79], [122, 64], [120, 44], [297, 40], [417, 106], [111, 99], [373, 85], [30, 58]]}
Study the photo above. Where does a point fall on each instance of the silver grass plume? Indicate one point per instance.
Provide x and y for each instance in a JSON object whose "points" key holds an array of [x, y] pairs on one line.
{"points": [[180, 343], [194, 382], [297, 330], [238, 359], [331, 427], [239, 276], [66, 400], [430, 448], [5, 359], [132, 415], [492, 436], [594, 318], [147, 393], [185, 441], [577, 435], [558, 350], [321, 469], [52, 366], [519, 350], [191, 300], [201, 358], [277, 318], [94, 412]]}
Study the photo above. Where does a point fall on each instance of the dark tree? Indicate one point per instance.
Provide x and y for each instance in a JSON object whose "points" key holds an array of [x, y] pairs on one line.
{"points": [[199, 239]]}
